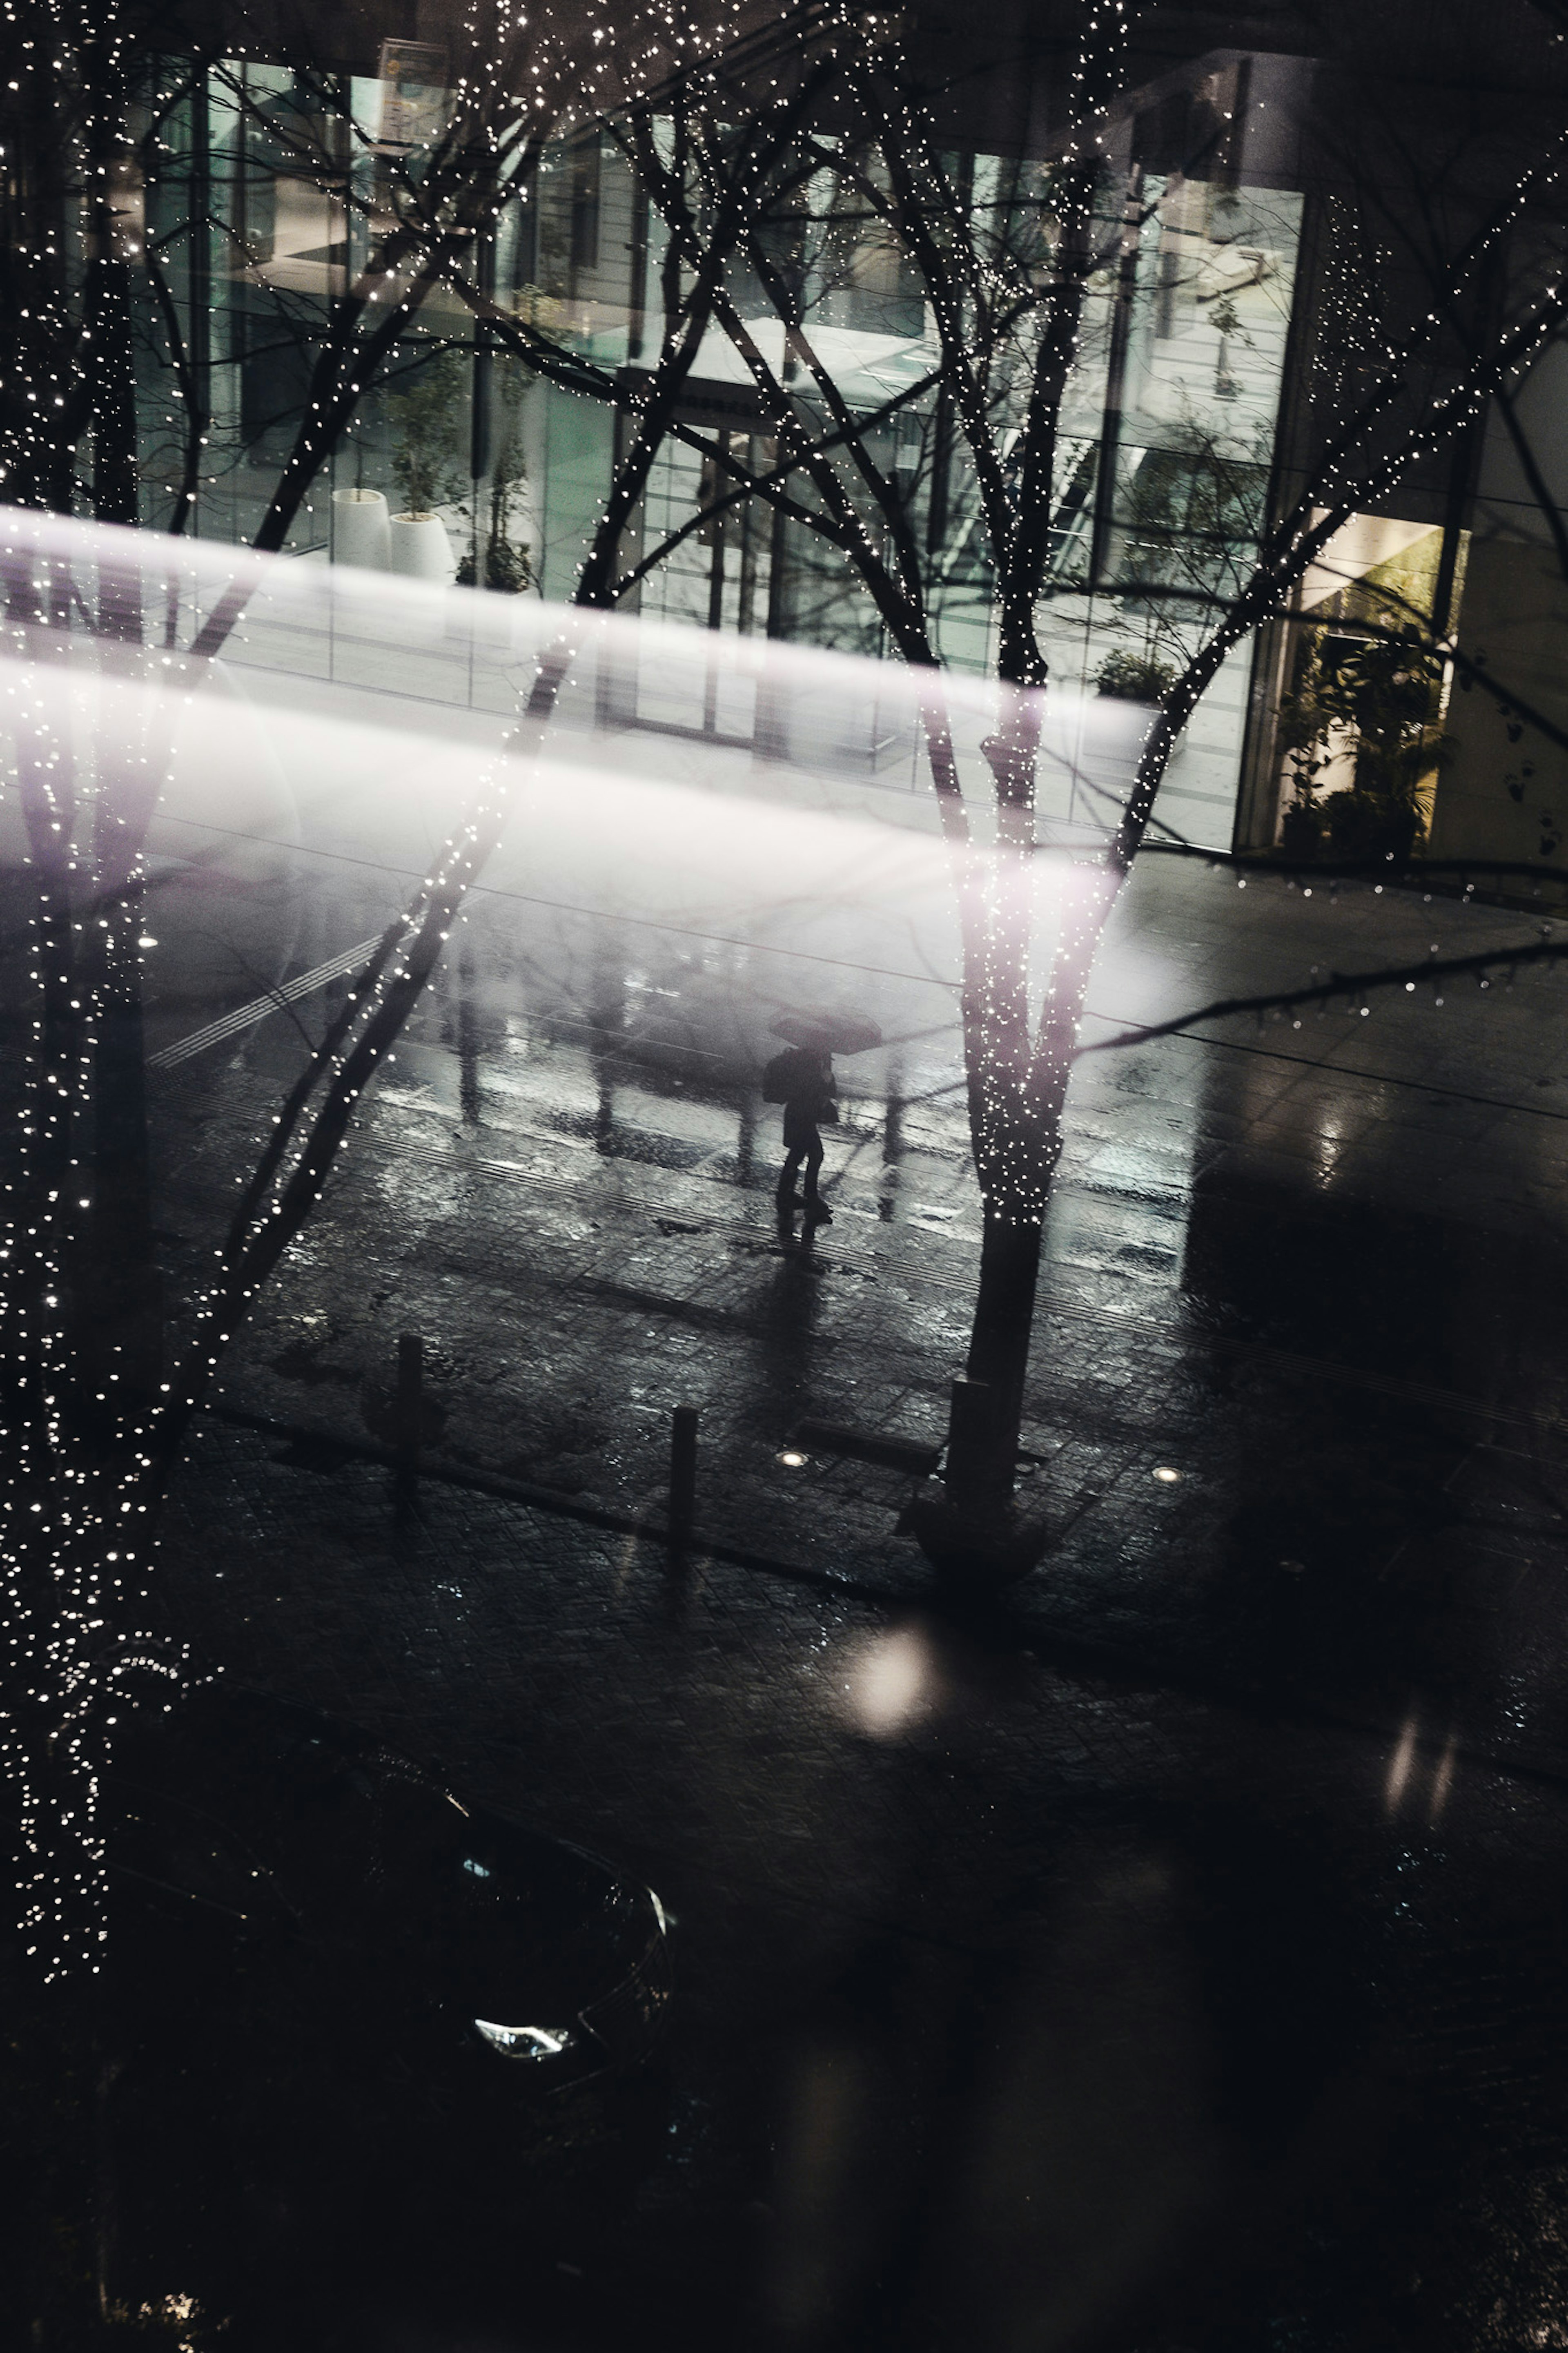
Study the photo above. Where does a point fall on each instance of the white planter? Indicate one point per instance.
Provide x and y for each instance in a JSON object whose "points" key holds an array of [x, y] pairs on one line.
{"points": [[360, 532], [420, 547]]}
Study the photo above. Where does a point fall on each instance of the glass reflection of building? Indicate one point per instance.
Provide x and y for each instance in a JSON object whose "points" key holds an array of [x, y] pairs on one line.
{"points": [[1176, 429]]}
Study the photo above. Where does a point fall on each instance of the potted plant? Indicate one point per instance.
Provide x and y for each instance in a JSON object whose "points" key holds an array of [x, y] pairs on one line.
{"points": [[501, 563], [360, 532], [1128, 677], [1360, 744], [426, 409]]}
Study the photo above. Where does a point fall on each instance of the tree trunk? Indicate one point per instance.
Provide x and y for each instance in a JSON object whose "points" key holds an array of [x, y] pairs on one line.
{"points": [[1018, 1079], [116, 488], [123, 1327], [983, 1445], [1015, 1126]]}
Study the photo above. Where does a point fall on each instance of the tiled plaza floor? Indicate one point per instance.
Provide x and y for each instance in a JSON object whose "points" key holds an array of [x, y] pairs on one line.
{"points": [[1319, 1274], [1163, 1956]]}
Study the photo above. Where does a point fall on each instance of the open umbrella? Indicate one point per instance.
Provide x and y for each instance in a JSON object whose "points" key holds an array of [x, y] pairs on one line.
{"points": [[829, 1032]]}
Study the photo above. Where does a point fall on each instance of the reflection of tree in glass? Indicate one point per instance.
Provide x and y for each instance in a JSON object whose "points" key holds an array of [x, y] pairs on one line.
{"points": [[1197, 490], [1193, 514]]}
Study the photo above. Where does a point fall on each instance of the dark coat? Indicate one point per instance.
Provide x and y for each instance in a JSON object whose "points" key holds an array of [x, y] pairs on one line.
{"points": [[808, 1102]]}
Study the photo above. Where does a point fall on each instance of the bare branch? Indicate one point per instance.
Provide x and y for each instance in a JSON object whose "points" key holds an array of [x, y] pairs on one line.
{"points": [[1354, 985]]}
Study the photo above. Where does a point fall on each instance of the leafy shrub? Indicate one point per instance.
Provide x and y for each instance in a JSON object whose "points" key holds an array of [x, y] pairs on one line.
{"points": [[1134, 677]]}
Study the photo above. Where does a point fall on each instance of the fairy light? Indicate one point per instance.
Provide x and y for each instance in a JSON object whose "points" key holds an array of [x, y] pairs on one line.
{"points": [[1017, 1085], [74, 1549], [92, 1444], [1024, 1005], [73, 1596]]}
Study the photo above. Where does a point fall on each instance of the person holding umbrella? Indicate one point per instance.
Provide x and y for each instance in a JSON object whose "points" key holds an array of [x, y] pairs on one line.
{"points": [[803, 1081]]}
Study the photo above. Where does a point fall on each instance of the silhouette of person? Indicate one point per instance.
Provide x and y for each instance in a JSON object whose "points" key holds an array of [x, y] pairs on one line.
{"points": [[809, 1102]]}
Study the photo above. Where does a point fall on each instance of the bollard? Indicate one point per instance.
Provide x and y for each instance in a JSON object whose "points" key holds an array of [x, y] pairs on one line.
{"points": [[410, 1378], [682, 1472]]}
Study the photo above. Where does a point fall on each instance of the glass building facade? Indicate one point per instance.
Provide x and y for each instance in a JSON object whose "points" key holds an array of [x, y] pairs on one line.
{"points": [[1173, 429]]}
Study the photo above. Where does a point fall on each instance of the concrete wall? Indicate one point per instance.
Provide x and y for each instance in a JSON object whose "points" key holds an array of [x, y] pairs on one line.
{"points": [[1502, 798], [1505, 797]]}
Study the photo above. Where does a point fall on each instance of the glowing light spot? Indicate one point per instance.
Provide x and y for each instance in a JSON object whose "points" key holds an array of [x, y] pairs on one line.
{"points": [[1399, 1765], [890, 1682]]}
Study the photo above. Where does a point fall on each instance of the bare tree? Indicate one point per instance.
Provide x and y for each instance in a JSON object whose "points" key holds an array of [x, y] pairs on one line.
{"points": [[1004, 283], [96, 1425], [88, 114], [760, 206]]}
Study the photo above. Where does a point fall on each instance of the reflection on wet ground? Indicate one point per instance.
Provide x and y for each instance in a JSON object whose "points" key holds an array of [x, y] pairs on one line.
{"points": [[1018, 2000], [1164, 1956], [1325, 1294]]}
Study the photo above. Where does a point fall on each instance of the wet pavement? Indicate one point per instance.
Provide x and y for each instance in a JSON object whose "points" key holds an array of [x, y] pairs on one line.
{"points": [[1017, 2002], [1317, 1275], [1166, 1953]]}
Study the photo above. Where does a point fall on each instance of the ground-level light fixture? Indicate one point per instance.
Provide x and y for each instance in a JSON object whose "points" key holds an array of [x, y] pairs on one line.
{"points": [[1165, 1476], [792, 1458]]}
